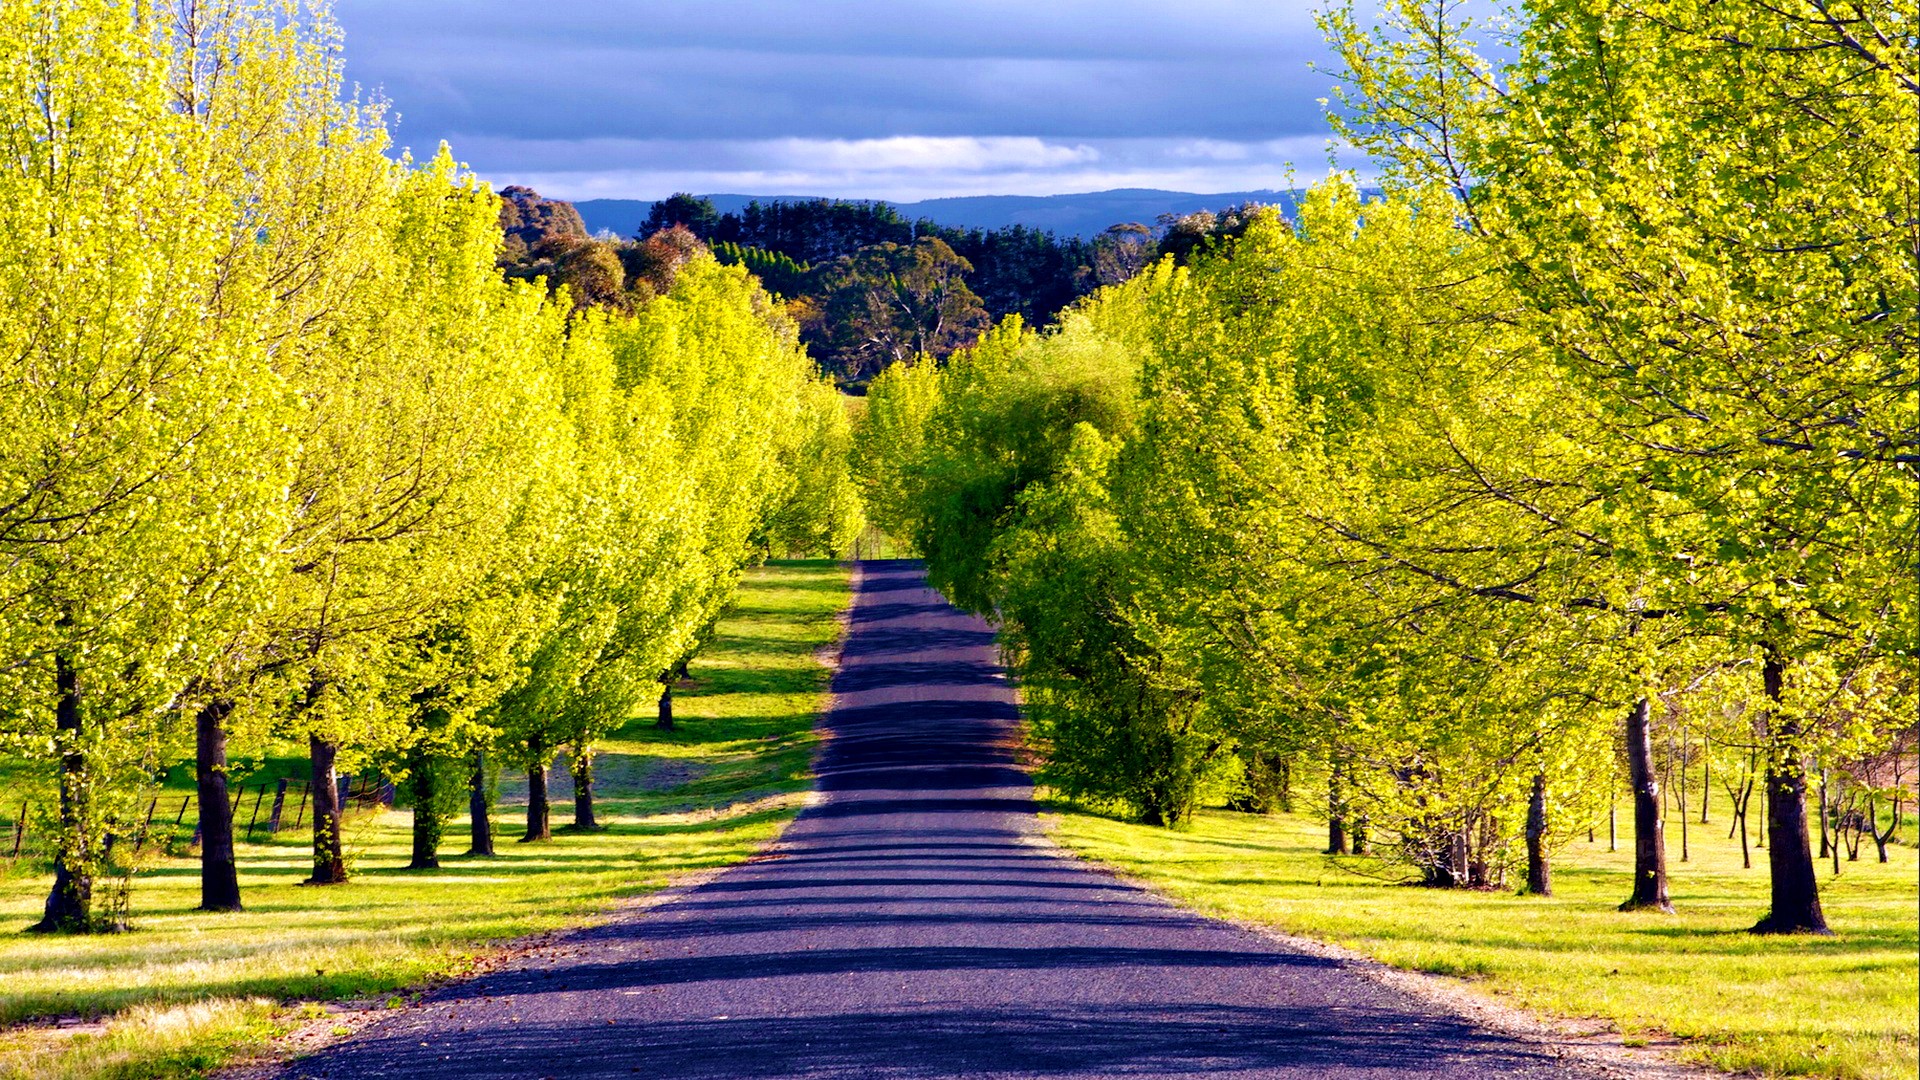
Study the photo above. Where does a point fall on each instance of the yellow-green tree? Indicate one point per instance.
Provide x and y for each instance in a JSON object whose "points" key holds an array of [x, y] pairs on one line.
{"points": [[889, 437], [149, 277], [1707, 209]]}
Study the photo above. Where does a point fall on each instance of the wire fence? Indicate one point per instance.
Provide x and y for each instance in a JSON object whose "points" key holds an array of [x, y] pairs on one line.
{"points": [[266, 808]]}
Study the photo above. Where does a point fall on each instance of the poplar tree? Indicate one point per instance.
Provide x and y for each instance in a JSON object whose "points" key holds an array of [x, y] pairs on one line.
{"points": [[1708, 209], [142, 485]]}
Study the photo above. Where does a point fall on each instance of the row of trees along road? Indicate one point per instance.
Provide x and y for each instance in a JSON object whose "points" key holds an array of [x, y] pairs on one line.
{"points": [[289, 458], [1600, 425]]}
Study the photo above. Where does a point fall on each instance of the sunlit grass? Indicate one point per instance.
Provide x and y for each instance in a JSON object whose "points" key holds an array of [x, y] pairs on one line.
{"points": [[1843, 1006], [187, 989]]}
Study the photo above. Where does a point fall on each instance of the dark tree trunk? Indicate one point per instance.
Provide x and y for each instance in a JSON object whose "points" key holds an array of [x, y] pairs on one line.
{"points": [[1360, 838], [479, 808], [1336, 807], [1796, 891], [329, 852], [583, 819], [1539, 871], [1649, 838], [1479, 869], [1266, 782], [1740, 823], [1882, 839], [665, 720], [219, 875], [1836, 843], [1286, 784], [428, 819], [1825, 848], [539, 821], [69, 907]]}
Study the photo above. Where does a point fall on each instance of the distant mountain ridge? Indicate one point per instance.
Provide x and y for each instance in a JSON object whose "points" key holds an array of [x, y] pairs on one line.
{"points": [[1086, 214]]}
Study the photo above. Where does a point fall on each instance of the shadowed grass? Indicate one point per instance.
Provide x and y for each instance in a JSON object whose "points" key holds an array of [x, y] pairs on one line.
{"points": [[187, 990], [1842, 1006]]}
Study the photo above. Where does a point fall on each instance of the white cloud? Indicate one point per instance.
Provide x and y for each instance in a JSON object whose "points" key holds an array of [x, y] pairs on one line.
{"points": [[913, 153], [899, 99], [907, 169]]}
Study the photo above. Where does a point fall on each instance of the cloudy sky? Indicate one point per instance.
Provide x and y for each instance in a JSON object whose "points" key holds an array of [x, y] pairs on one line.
{"points": [[896, 99]]}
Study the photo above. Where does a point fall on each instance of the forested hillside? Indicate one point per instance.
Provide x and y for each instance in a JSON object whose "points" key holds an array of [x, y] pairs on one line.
{"points": [[1084, 215], [866, 286]]}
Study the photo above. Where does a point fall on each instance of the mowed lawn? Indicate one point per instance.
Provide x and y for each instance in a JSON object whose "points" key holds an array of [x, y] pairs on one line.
{"points": [[1843, 1006], [186, 990]]}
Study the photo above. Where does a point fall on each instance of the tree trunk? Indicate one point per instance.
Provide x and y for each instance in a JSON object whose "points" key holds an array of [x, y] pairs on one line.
{"points": [[219, 875], [1882, 839], [1613, 806], [1336, 807], [1539, 870], [479, 808], [1740, 823], [1286, 784], [329, 853], [1795, 889], [1649, 838], [665, 720], [1706, 777], [1836, 844], [69, 907], [1825, 848], [1361, 839], [539, 823], [583, 820], [428, 821], [1681, 799]]}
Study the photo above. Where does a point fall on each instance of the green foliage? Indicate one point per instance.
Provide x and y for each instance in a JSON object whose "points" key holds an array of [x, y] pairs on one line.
{"points": [[1332, 493], [776, 269], [889, 303], [821, 511], [1694, 207], [889, 437], [291, 453]]}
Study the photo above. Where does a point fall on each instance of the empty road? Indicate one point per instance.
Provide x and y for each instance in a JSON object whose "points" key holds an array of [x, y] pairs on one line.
{"points": [[910, 926]]}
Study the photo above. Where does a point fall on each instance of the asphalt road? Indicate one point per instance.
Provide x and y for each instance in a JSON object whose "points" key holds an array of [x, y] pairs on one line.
{"points": [[909, 926]]}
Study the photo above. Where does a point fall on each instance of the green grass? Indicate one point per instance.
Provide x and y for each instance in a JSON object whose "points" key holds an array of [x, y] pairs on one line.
{"points": [[1843, 1006], [186, 990]]}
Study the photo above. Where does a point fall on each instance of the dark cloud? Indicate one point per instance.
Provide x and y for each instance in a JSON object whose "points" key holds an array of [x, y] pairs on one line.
{"points": [[598, 95]]}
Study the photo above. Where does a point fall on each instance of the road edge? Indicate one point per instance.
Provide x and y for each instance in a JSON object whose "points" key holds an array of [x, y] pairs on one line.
{"points": [[1594, 1044]]}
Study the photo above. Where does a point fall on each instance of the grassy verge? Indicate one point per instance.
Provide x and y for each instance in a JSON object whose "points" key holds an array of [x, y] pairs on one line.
{"points": [[1843, 1006], [187, 990]]}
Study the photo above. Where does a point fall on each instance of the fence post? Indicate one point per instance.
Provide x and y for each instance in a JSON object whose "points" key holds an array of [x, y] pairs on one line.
{"points": [[301, 814], [147, 825], [279, 804], [19, 831], [257, 799], [185, 800]]}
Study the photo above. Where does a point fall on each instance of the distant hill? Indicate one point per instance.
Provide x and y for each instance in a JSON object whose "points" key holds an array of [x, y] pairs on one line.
{"points": [[1084, 215]]}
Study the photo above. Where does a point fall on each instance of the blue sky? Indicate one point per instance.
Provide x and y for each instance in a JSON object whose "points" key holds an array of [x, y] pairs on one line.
{"points": [[902, 100]]}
